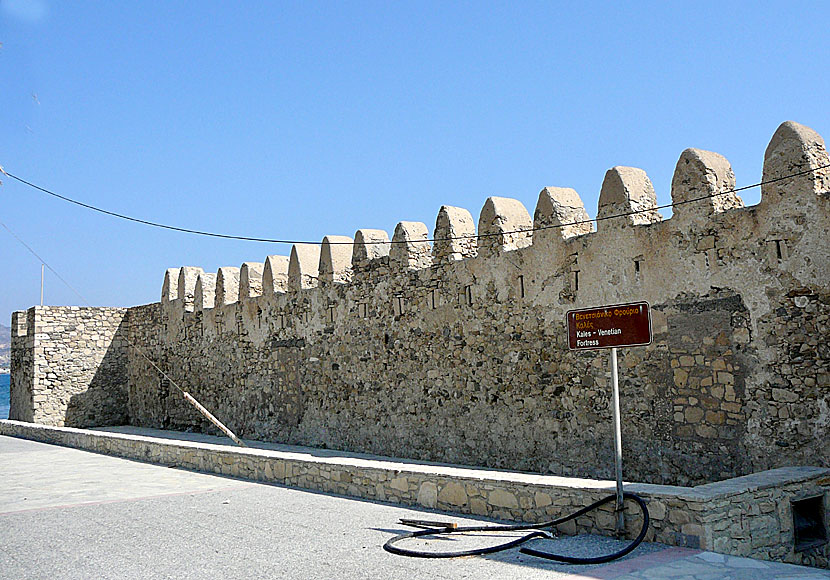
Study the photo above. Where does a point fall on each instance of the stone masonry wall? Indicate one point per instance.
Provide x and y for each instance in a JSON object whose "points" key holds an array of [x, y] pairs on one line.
{"points": [[69, 366], [457, 351], [22, 367]]}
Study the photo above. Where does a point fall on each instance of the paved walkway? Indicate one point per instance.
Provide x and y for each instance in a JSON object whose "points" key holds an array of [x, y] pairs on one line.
{"points": [[70, 514]]}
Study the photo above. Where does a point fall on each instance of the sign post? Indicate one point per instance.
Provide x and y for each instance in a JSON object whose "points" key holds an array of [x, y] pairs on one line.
{"points": [[615, 402], [619, 325]]}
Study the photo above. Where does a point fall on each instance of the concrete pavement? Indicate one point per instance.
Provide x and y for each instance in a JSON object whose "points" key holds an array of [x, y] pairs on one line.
{"points": [[66, 513]]}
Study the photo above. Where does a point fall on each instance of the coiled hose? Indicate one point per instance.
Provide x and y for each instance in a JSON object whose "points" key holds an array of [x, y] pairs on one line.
{"points": [[390, 546]]}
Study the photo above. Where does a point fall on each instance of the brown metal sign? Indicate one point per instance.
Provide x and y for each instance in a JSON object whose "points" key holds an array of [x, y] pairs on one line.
{"points": [[609, 326]]}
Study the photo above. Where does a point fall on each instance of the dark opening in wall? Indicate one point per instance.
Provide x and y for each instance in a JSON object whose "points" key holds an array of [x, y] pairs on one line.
{"points": [[808, 523]]}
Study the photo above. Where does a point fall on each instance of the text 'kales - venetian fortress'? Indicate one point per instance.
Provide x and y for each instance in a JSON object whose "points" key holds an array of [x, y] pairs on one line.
{"points": [[456, 351]]}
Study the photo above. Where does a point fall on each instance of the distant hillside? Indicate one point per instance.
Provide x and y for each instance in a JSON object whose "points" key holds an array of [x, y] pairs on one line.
{"points": [[5, 345]]}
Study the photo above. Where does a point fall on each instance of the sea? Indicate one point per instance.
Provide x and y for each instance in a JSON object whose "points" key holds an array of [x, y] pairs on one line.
{"points": [[5, 381]]}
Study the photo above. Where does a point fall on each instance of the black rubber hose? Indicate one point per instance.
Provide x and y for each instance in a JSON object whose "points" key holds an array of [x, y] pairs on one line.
{"points": [[608, 557], [390, 545]]}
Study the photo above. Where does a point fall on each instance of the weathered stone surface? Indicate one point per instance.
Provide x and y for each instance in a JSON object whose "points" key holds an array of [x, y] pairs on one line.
{"points": [[453, 493], [410, 249], [400, 484], [560, 214], [626, 192], [428, 495], [502, 498], [503, 225], [188, 275], [454, 236], [170, 288], [370, 245], [303, 266], [250, 280], [703, 174], [795, 148], [227, 285], [275, 275], [542, 499], [336, 260], [205, 291]]}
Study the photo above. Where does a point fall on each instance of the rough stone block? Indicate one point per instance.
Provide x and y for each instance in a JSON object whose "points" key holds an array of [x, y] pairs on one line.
{"points": [[188, 275], [227, 286], [503, 225], [703, 174], [205, 291], [275, 275], [410, 249], [400, 484], [502, 498], [250, 280], [428, 495], [454, 236], [336, 260], [369, 245], [303, 266], [626, 192], [19, 324], [453, 493]]}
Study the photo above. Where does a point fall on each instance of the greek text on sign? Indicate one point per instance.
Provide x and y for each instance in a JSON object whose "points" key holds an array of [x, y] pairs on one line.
{"points": [[609, 326]]}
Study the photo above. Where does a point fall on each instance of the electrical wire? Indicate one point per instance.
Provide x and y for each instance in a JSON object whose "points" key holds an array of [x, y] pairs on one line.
{"points": [[137, 348], [42, 261], [445, 239], [368, 242]]}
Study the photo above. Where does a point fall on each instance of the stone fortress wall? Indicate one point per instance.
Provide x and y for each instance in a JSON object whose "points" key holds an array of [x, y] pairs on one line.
{"points": [[456, 350], [69, 366]]}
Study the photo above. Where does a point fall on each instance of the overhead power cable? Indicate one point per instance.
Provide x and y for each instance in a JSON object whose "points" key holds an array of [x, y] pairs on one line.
{"points": [[190, 399], [445, 239]]}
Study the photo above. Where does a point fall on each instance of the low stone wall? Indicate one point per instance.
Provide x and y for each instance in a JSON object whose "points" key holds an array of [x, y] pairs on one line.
{"points": [[745, 516]]}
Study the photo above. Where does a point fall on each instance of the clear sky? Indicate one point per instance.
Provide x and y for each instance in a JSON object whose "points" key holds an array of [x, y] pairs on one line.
{"points": [[301, 119]]}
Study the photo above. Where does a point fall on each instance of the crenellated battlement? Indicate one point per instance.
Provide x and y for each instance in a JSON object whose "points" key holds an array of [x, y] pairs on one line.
{"points": [[560, 235], [450, 345]]}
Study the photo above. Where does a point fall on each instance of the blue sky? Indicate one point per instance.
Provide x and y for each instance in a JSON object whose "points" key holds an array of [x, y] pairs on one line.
{"points": [[298, 120]]}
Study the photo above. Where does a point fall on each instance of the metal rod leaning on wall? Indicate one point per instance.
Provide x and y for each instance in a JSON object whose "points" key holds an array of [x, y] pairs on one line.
{"points": [[213, 419], [188, 396], [190, 399]]}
